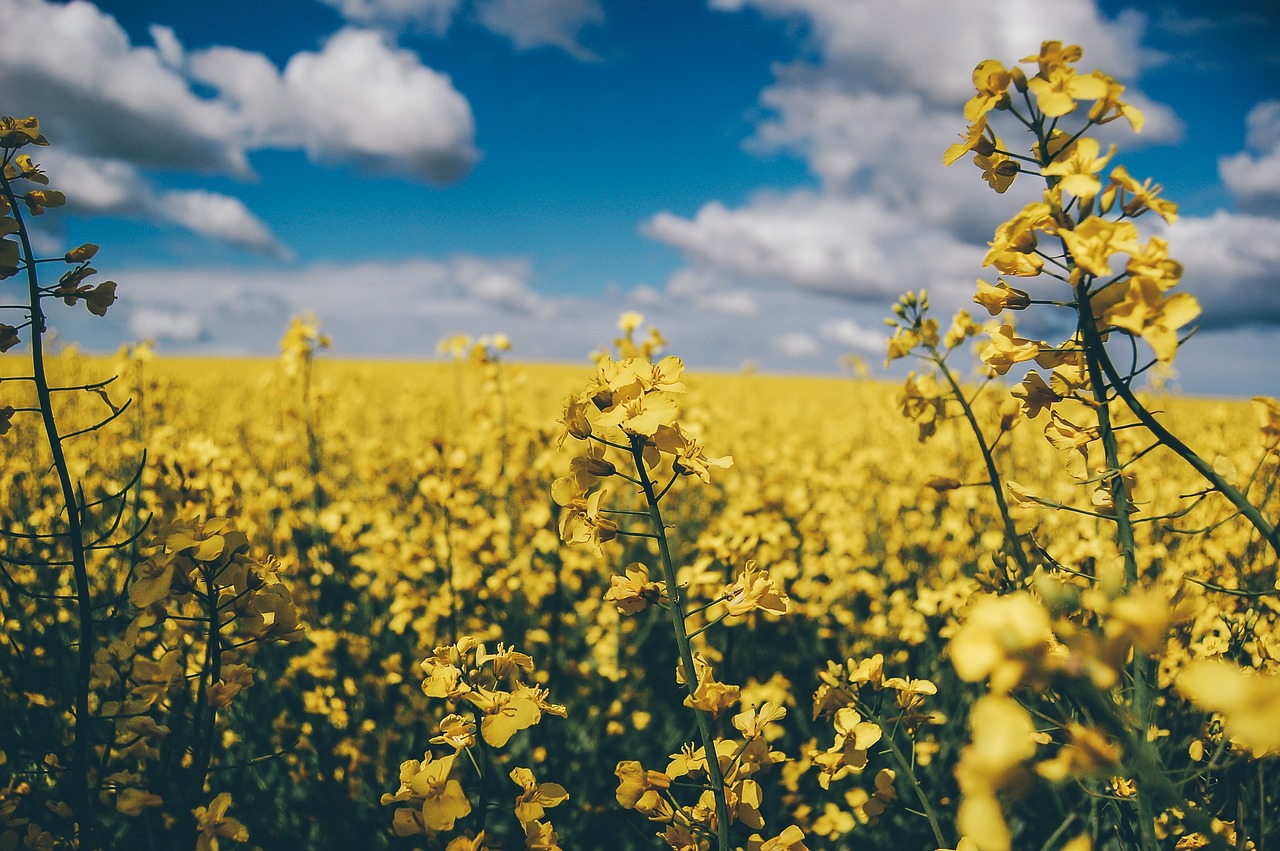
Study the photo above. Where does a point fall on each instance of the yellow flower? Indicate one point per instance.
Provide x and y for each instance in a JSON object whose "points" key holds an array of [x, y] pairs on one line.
{"points": [[791, 839], [634, 592], [1005, 350], [1248, 700], [455, 731], [213, 822], [998, 169], [641, 413], [962, 328], [1077, 165], [1012, 251], [1268, 420], [17, 132], [1001, 742], [505, 713], [1034, 395], [753, 590], [634, 782], [752, 722], [1154, 263], [709, 695], [991, 79], [1058, 90], [582, 523], [854, 737], [977, 138], [443, 801], [132, 802], [1003, 638], [535, 798], [574, 419], [1001, 297], [1108, 107], [690, 457], [1146, 312], [1136, 198], [1053, 56], [1094, 240]]}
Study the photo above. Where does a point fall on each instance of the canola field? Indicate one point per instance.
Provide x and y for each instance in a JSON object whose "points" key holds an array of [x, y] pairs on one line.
{"points": [[408, 509], [314, 604]]}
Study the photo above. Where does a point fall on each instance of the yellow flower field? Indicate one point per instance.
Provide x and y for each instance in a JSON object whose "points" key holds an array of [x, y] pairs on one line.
{"points": [[409, 504], [310, 603]]}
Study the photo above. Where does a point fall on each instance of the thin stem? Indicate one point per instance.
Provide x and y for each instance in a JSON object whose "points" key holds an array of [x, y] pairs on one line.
{"points": [[677, 608], [81, 799], [1013, 543]]}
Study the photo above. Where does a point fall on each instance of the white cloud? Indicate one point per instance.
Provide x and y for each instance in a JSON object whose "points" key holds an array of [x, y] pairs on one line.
{"points": [[172, 326], [542, 23], [852, 247], [931, 46], [1253, 175], [426, 15], [219, 217], [853, 335], [796, 344], [1231, 264], [72, 66], [358, 99], [110, 187], [871, 110]]}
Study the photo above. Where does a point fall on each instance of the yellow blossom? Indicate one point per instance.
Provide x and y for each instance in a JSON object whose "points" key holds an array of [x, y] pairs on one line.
{"points": [[535, 798], [1005, 350], [1094, 240], [213, 822], [991, 79], [1077, 166], [1247, 700], [753, 590]]}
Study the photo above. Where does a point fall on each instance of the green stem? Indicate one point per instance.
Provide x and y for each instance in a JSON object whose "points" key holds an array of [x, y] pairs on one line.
{"points": [[1141, 665], [677, 609], [1013, 543], [81, 800], [1239, 500], [905, 767]]}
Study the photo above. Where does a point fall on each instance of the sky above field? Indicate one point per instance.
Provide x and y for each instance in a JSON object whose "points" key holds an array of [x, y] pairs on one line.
{"points": [[760, 178]]}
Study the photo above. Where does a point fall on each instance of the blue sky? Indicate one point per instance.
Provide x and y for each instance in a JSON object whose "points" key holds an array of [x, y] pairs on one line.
{"points": [[760, 178]]}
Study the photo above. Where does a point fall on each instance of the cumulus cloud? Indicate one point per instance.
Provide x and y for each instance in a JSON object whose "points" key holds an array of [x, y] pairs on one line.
{"points": [[796, 344], [931, 46], [851, 334], [542, 23], [1231, 264], [219, 217], [422, 15], [111, 187], [171, 326], [124, 110], [1253, 175], [358, 99], [73, 66], [852, 247], [870, 110]]}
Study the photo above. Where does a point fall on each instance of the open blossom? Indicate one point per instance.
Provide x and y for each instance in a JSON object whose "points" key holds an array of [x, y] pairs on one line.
{"points": [[991, 79], [1095, 240], [1006, 349], [1077, 166], [755, 590], [634, 592]]}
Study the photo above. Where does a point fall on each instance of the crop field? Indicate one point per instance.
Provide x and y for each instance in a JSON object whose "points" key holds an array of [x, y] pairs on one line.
{"points": [[407, 505], [1020, 600]]}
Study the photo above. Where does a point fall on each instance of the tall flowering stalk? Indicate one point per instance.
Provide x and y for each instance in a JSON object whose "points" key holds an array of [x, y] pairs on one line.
{"points": [[630, 412], [1089, 658]]}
